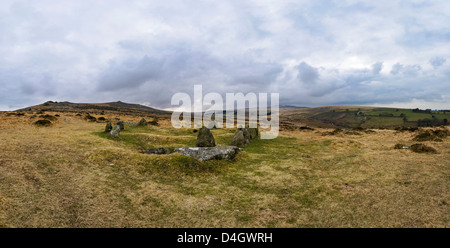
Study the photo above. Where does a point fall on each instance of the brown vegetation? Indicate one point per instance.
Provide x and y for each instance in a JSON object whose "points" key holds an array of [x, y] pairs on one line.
{"points": [[421, 148]]}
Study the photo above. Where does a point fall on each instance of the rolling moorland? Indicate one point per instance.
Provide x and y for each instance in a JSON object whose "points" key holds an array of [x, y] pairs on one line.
{"points": [[329, 167]]}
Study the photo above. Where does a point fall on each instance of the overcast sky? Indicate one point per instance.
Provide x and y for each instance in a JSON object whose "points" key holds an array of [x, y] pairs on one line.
{"points": [[314, 53]]}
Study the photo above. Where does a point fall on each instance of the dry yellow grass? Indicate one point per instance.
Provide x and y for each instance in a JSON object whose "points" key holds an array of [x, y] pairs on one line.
{"points": [[69, 175]]}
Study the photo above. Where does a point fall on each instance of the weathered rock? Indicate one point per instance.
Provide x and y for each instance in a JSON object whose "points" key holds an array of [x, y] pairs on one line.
{"points": [[205, 138], [142, 122], [160, 150], [253, 132], [208, 153], [246, 132], [115, 132], [120, 124], [108, 127], [241, 138]]}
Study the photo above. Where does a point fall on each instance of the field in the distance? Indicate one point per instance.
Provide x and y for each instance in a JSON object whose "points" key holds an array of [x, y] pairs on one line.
{"points": [[367, 117], [73, 175]]}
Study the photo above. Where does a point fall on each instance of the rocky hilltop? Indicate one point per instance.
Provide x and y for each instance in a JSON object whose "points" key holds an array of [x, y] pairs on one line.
{"points": [[94, 107]]}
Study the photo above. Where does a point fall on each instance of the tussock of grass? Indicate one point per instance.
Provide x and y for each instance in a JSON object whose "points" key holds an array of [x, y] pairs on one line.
{"points": [[432, 135], [43, 123], [399, 146], [48, 117], [409, 129], [421, 148]]}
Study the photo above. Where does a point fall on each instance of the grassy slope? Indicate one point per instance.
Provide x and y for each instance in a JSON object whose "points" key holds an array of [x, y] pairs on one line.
{"points": [[72, 175]]}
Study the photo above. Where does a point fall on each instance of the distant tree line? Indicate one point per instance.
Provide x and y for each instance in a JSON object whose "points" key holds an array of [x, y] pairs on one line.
{"points": [[431, 122], [426, 111], [429, 111]]}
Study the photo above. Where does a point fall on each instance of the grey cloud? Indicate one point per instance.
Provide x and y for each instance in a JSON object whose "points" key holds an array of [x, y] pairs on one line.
{"points": [[28, 88], [425, 38], [437, 62], [409, 70], [396, 69], [377, 67], [412, 70], [130, 74], [307, 74], [362, 87]]}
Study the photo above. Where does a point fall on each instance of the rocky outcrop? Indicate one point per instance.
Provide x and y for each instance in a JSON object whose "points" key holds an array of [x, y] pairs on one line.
{"points": [[209, 153], [205, 138]]}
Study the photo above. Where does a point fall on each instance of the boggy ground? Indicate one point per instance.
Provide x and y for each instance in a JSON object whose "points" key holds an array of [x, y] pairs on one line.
{"points": [[73, 175]]}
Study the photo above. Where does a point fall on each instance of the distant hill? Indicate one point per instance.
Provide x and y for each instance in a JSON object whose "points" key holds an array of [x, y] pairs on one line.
{"points": [[94, 107], [368, 117], [290, 116]]}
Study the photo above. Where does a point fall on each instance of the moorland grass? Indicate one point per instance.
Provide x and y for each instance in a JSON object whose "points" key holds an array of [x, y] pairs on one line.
{"points": [[71, 174]]}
